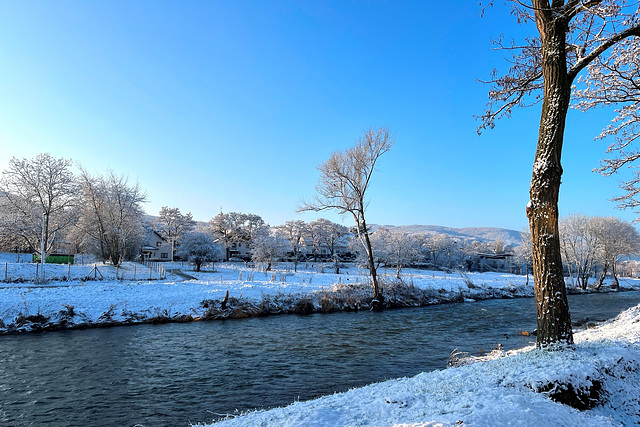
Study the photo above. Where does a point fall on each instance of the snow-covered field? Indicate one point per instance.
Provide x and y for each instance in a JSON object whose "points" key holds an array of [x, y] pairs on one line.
{"points": [[504, 391], [27, 305], [114, 300]]}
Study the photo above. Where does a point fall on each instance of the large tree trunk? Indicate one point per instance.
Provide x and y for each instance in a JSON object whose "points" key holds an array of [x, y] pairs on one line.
{"points": [[554, 320]]}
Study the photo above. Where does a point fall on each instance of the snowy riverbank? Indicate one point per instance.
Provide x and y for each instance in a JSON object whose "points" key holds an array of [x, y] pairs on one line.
{"points": [[508, 389], [27, 306]]}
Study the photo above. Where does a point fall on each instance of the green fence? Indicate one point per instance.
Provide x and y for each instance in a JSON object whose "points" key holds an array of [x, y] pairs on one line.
{"points": [[55, 258]]}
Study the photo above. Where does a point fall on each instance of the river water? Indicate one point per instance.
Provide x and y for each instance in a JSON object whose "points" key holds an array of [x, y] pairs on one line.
{"points": [[177, 374]]}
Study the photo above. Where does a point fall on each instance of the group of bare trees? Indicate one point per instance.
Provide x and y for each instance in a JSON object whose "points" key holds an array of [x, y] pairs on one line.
{"points": [[294, 240], [591, 243], [44, 204], [398, 249]]}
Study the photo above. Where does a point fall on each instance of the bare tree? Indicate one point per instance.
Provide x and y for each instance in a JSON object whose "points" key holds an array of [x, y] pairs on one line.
{"points": [[570, 35], [344, 180], [222, 230], [38, 197], [579, 243], [294, 232], [616, 238], [324, 233], [267, 248], [396, 248], [523, 252], [615, 79], [111, 214], [442, 244], [236, 227], [173, 224]]}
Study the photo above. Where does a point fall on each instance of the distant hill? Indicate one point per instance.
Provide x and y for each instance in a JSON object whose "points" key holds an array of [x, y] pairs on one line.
{"points": [[482, 234]]}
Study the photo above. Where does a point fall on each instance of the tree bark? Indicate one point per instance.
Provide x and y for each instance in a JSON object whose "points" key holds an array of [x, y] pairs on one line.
{"points": [[377, 295], [552, 308], [605, 268], [616, 283]]}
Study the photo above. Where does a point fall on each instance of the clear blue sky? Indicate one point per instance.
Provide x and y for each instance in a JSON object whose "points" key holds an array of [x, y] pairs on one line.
{"points": [[233, 104]]}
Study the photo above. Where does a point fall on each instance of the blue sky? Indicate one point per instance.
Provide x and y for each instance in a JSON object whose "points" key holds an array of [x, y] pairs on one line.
{"points": [[233, 104]]}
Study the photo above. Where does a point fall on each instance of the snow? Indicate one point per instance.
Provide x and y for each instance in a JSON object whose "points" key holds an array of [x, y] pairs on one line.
{"points": [[499, 391], [127, 300], [503, 388], [130, 301]]}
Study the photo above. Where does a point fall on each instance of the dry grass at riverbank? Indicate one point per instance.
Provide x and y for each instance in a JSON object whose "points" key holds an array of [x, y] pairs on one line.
{"points": [[236, 291]]}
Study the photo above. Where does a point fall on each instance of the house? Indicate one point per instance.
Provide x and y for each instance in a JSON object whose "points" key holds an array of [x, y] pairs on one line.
{"points": [[239, 250], [155, 247]]}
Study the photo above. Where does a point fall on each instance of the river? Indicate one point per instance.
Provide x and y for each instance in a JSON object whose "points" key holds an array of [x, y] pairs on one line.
{"points": [[177, 374]]}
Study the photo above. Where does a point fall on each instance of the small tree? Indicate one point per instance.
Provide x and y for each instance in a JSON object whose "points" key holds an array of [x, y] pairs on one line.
{"points": [[173, 224], [579, 244], [344, 180], [268, 249], [523, 252], [330, 235], [294, 232], [199, 248]]}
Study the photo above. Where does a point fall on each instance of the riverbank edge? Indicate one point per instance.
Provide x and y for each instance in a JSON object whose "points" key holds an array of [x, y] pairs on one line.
{"points": [[591, 383], [340, 298]]}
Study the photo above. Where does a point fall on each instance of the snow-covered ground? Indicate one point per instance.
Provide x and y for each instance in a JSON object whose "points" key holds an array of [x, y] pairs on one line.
{"points": [[504, 391], [26, 305]]}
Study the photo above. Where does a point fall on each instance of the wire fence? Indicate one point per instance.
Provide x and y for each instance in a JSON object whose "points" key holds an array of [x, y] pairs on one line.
{"points": [[20, 272]]}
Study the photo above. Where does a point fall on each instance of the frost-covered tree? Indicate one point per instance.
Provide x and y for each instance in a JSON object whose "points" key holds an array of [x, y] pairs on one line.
{"points": [[470, 251], [222, 230], [111, 215], [523, 252], [173, 224], [344, 180], [579, 243], [267, 249], [38, 197], [395, 248], [295, 232], [199, 248], [443, 247], [615, 79], [236, 227], [330, 235], [570, 35], [615, 238]]}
